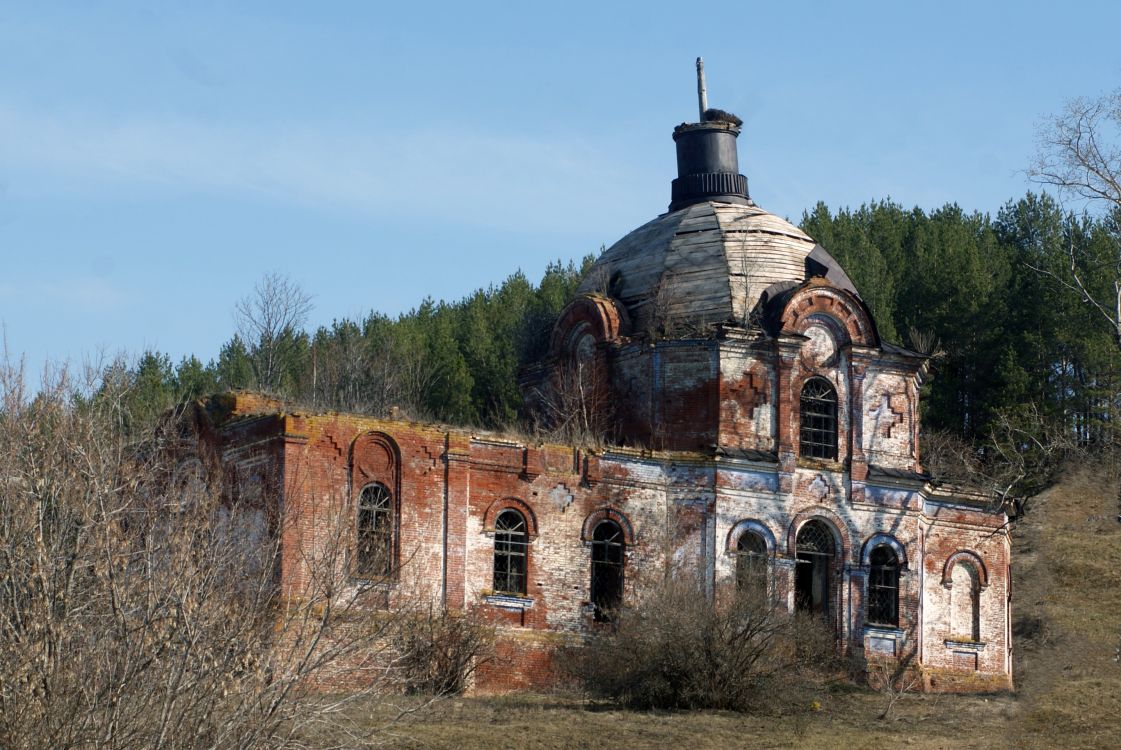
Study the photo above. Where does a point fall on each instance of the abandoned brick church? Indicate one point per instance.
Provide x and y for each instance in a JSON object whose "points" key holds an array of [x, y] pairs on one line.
{"points": [[739, 388]]}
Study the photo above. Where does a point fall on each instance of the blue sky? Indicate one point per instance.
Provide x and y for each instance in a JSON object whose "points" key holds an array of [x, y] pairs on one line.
{"points": [[157, 158]]}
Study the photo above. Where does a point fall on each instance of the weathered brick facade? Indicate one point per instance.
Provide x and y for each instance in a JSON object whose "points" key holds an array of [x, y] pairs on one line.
{"points": [[749, 400]]}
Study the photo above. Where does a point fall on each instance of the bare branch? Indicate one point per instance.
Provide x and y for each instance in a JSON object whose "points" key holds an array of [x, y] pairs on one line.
{"points": [[1079, 153], [267, 320]]}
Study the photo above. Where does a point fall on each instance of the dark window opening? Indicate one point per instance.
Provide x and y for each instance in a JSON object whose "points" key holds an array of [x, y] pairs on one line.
{"points": [[819, 420], [813, 569], [751, 564], [607, 569], [374, 550], [883, 587], [510, 543]]}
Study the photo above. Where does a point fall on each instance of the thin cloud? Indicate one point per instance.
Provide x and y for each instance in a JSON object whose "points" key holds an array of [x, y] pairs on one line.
{"points": [[86, 294], [429, 172]]}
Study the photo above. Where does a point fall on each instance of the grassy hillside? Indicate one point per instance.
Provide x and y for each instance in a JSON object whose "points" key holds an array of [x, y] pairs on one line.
{"points": [[1068, 615], [1067, 579]]}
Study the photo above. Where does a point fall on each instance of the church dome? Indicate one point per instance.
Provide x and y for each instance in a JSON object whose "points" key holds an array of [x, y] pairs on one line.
{"points": [[716, 255], [705, 264]]}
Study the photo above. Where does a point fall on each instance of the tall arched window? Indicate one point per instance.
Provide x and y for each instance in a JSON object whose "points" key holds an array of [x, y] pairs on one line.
{"points": [[607, 569], [751, 564], [965, 602], [883, 587], [813, 568], [374, 549], [510, 544], [819, 420]]}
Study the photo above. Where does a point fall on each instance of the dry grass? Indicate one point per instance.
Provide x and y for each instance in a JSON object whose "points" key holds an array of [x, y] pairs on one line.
{"points": [[1067, 579], [843, 718], [1068, 606]]}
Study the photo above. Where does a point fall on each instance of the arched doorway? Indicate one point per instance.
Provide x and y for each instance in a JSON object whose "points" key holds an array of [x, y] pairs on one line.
{"points": [[813, 570]]}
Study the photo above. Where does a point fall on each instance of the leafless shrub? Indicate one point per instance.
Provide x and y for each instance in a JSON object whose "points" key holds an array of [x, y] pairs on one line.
{"points": [[1021, 456], [139, 609], [893, 678], [440, 650], [667, 316], [576, 404], [676, 649], [598, 278], [926, 342]]}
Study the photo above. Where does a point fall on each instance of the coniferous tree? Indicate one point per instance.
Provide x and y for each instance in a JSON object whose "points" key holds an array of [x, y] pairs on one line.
{"points": [[194, 380], [235, 368]]}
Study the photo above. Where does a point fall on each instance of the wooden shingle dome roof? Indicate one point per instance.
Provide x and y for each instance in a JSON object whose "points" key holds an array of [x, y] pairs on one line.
{"points": [[714, 257], [705, 264]]}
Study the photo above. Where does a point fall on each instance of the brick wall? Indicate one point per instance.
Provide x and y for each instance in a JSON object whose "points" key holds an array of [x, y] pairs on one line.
{"points": [[679, 508]]}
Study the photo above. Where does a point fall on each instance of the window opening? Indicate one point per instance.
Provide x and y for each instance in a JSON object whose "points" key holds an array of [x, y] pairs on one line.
{"points": [[510, 543], [607, 569], [751, 564], [883, 587], [819, 420], [815, 551], [374, 553]]}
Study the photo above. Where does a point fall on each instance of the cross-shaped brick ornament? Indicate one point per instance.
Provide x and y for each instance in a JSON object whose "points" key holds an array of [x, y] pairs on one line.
{"points": [[887, 415]]}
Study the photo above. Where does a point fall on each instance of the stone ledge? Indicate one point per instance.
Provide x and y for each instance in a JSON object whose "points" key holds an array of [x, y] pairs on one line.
{"points": [[504, 601], [964, 644]]}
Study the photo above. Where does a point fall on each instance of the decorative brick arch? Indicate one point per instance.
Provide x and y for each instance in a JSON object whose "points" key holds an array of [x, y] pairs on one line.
{"points": [[973, 559], [832, 521], [602, 317], [883, 540], [607, 514], [510, 503], [752, 526], [374, 457], [816, 300], [835, 378]]}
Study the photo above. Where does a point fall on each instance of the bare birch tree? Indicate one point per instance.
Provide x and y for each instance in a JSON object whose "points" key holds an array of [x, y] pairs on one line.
{"points": [[1080, 155], [268, 321]]}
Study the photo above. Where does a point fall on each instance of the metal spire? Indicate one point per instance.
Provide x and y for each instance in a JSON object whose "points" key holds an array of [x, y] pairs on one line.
{"points": [[702, 92]]}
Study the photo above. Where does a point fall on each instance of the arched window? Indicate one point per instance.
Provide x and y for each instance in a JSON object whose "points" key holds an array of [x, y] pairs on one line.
{"points": [[374, 550], [819, 420], [965, 602], [510, 543], [607, 569], [751, 564], [813, 568], [883, 587]]}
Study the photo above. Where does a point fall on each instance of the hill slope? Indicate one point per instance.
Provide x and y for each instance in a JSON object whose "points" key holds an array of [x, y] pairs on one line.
{"points": [[1068, 615]]}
